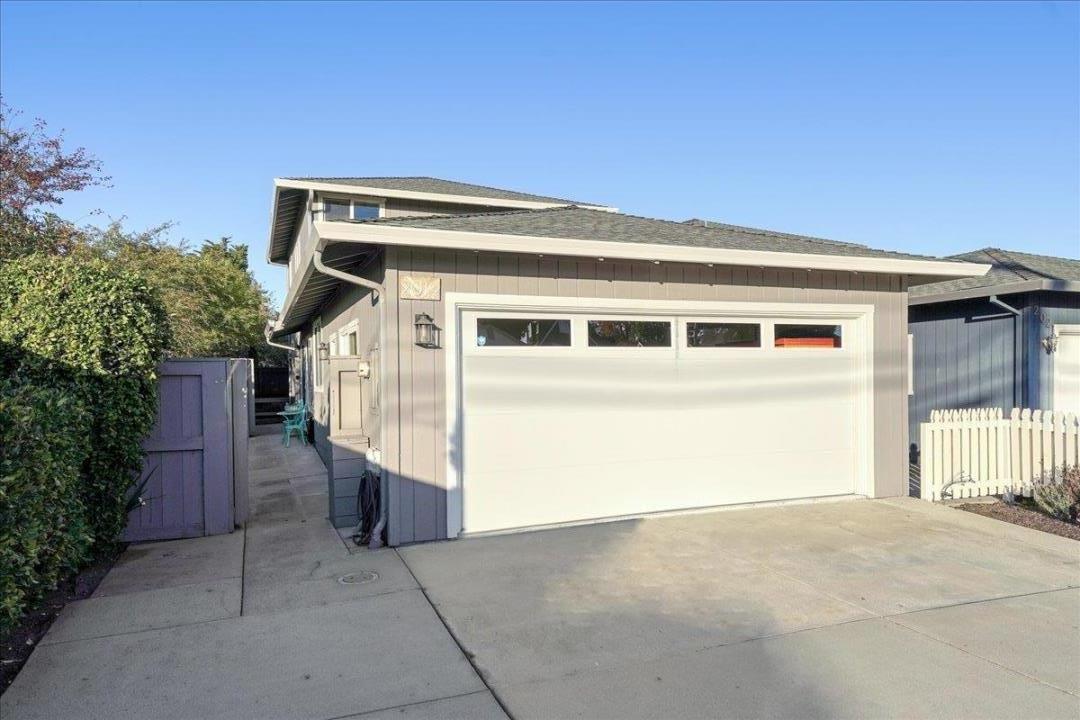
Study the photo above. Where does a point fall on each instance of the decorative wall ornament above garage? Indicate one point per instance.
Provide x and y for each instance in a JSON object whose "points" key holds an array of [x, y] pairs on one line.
{"points": [[413, 287]]}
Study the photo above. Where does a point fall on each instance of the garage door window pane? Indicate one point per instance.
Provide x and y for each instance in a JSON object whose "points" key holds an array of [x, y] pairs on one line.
{"points": [[522, 332], [629, 333], [699, 334], [807, 336]]}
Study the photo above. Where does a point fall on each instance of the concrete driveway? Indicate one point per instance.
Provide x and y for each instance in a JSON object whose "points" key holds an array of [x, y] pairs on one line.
{"points": [[845, 609]]}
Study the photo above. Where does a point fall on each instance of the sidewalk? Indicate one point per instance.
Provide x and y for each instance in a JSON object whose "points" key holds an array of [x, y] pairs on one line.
{"points": [[256, 624]]}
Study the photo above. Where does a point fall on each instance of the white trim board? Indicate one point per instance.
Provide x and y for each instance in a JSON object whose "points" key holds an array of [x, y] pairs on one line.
{"points": [[383, 234], [1065, 399], [456, 303]]}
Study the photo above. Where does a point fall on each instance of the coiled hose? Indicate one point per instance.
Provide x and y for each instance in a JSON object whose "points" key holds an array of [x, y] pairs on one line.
{"points": [[367, 507]]}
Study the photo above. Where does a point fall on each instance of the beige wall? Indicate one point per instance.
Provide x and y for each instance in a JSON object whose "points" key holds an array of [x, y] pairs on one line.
{"points": [[415, 451]]}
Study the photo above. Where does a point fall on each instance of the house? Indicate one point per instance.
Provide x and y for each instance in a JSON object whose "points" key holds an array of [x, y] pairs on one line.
{"points": [[1008, 339], [507, 360]]}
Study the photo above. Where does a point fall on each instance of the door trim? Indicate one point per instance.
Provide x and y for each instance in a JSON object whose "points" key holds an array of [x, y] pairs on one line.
{"points": [[455, 303], [1059, 329]]}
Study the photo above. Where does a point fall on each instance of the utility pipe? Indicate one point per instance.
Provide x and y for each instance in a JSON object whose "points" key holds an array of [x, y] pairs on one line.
{"points": [[384, 495], [1017, 350]]}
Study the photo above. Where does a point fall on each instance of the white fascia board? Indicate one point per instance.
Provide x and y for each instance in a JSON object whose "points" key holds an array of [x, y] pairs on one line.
{"points": [[380, 234], [428, 196]]}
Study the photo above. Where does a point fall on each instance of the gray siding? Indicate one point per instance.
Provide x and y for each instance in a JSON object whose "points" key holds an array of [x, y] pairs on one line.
{"points": [[351, 302], [967, 355], [415, 451], [1046, 309], [973, 354], [398, 207]]}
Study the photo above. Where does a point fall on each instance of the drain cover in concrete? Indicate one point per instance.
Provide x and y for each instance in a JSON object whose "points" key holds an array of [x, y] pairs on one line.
{"points": [[359, 578]]}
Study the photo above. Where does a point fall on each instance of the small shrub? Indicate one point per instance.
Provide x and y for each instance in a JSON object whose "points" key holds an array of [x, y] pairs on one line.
{"points": [[1061, 499], [43, 533]]}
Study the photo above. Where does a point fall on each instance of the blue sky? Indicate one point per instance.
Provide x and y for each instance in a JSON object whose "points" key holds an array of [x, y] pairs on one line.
{"points": [[931, 128]]}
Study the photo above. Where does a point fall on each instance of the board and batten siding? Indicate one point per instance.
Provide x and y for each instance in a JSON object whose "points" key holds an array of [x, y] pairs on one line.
{"points": [[1044, 310], [967, 355], [416, 442], [975, 354]]}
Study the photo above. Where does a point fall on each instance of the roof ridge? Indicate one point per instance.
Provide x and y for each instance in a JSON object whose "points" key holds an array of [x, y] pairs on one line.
{"points": [[1006, 260]]}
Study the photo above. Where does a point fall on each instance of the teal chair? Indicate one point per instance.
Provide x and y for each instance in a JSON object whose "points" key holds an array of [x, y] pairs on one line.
{"points": [[294, 419]]}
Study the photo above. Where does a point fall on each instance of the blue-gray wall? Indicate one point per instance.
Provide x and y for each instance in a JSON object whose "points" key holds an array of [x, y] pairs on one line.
{"points": [[974, 354], [1043, 310]]}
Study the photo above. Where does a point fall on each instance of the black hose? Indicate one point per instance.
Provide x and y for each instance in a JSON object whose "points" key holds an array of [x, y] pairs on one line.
{"points": [[367, 507]]}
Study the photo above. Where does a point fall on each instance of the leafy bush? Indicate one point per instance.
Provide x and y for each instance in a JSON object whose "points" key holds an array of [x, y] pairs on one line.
{"points": [[1061, 499], [87, 334], [43, 533]]}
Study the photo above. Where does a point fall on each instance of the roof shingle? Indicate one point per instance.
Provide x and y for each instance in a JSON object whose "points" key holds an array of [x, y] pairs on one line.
{"points": [[441, 187], [1007, 267], [583, 223]]}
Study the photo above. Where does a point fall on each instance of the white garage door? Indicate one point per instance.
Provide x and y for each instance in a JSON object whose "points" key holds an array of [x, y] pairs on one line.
{"points": [[570, 416]]}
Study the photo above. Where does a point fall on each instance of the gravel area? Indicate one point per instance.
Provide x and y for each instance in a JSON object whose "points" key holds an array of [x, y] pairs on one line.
{"points": [[1021, 514]]}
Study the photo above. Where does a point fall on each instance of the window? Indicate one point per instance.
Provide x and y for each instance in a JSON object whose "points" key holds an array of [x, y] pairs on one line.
{"points": [[714, 334], [807, 336], [522, 332], [344, 209], [629, 333], [364, 211], [335, 209], [349, 344]]}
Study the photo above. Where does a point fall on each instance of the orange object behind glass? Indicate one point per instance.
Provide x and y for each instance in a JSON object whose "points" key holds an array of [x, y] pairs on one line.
{"points": [[827, 342]]}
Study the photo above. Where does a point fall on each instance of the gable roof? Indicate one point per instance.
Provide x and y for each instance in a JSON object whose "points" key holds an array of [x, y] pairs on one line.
{"points": [[575, 222], [1010, 271], [291, 195], [439, 186]]}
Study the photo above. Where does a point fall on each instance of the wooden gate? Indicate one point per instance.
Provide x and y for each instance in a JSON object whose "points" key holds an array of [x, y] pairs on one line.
{"points": [[195, 471]]}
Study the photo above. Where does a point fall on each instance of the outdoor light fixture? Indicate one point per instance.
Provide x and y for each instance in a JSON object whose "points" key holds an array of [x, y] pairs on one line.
{"points": [[1050, 342], [324, 351], [427, 334]]}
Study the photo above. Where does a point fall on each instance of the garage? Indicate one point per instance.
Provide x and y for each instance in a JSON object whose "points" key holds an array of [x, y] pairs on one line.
{"points": [[571, 414]]}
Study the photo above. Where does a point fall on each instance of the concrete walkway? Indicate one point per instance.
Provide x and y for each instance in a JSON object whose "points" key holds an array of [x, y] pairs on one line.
{"points": [[256, 624]]}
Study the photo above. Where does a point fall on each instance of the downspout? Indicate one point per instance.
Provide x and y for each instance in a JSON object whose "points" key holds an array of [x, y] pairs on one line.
{"points": [[1018, 347], [384, 494], [994, 299], [271, 343]]}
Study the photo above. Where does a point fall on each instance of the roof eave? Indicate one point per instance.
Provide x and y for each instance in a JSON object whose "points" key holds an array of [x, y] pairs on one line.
{"points": [[1001, 289], [375, 233]]}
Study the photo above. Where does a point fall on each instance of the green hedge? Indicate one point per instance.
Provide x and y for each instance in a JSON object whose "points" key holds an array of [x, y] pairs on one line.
{"points": [[84, 339], [43, 534]]}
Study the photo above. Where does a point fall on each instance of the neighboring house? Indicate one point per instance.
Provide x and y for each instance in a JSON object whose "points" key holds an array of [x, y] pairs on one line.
{"points": [[520, 360], [1008, 339]]}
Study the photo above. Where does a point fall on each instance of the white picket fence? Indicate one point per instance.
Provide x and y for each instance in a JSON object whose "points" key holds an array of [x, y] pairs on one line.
{"points": [[972, 453]]}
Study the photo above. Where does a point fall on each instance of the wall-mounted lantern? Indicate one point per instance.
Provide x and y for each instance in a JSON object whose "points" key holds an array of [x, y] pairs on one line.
{"points": [[1050, 343], [427, 334], [324, 352]]}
